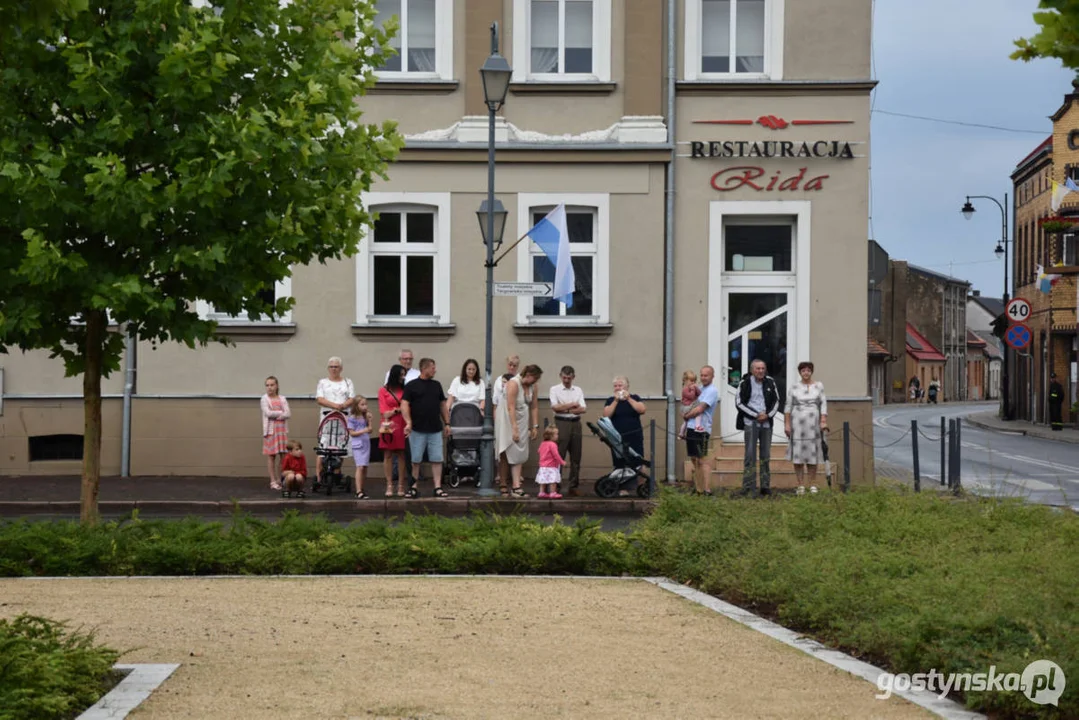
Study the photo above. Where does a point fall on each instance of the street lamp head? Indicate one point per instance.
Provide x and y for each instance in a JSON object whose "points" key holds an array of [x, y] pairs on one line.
{"points": [[999, 252], [499, 221], [968, 210], [495, 73]]}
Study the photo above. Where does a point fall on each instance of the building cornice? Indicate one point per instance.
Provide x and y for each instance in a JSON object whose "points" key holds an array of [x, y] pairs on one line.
{"points": [[776, 87], [645, 132]]}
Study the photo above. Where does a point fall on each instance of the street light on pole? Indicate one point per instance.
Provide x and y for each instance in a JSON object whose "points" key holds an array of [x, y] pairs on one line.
{"points": [[1001, 251], [496, 73]]}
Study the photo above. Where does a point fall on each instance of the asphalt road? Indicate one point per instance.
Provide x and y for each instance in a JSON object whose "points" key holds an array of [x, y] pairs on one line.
{"points": [[993, 463]]}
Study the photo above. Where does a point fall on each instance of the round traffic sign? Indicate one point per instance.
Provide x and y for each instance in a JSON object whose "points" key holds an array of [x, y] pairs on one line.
{"points": [[1018, 311], [1018, 336]]}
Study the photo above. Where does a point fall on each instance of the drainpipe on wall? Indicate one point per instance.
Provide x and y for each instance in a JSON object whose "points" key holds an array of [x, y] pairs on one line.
{"points": [[130, 349], [668, 246]]}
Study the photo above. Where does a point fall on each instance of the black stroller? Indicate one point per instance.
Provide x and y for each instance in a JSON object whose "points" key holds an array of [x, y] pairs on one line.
{"points": [[609, 485], [333, 445], [463, 447]]}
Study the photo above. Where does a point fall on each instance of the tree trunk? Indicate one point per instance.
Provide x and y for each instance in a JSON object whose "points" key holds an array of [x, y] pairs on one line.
{"points": [[91, 398]]}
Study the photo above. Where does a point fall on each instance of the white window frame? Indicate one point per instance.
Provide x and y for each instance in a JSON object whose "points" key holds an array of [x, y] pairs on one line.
{"points": [[402, 201], [773, 44], [282, 289], [443, 47], [601, 263], [601, 45]]}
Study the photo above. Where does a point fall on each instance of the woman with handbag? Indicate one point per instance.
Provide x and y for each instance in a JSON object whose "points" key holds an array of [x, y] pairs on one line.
{"points": [[391, 429]]}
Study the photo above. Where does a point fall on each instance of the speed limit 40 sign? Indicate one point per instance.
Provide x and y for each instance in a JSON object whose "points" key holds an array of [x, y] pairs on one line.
{"points": [[1018, 311]]}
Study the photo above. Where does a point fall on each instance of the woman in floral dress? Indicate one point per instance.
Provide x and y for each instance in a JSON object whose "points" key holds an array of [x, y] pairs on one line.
{"points": [[805, 421]]}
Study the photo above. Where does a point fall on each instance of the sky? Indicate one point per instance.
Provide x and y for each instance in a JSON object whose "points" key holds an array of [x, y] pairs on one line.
{"points": [[949, 59]]}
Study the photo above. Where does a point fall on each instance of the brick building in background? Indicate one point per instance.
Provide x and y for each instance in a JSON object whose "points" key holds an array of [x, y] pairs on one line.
{"points": [[1053, 317], [935, 307]]}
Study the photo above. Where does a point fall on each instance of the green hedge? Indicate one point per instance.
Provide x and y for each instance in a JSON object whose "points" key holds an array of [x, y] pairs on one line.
{"points": [[909, 582], [304, 544], [48, 671]]}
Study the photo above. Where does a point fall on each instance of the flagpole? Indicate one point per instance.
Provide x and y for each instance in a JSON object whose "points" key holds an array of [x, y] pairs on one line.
{"points": [[507, 250]]}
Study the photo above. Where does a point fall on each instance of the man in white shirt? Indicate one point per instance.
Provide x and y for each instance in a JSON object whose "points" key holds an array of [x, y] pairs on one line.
{"points": [[567, 402], [411, 373]]}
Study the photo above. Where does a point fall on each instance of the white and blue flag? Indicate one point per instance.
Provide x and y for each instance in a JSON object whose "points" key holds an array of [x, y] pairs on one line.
{"points": [[552, 237]]}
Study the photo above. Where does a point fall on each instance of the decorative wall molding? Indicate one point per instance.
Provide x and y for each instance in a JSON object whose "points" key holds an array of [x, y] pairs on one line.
{"points": [[630, 130]]}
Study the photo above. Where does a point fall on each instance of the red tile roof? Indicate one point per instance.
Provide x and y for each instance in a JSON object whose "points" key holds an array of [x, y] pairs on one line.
{"points": [[875, 349], [919, 348]]}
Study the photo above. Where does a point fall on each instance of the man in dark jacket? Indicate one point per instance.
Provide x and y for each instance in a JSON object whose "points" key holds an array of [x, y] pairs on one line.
{"points": [[1056, 403], [758, 403]]}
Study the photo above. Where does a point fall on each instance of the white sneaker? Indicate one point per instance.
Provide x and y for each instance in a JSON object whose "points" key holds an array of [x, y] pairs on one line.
{"points": [[813, 489], [800, 490]]}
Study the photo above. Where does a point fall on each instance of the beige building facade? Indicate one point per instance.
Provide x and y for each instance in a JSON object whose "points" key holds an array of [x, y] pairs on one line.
{"points": [[716, 189]]}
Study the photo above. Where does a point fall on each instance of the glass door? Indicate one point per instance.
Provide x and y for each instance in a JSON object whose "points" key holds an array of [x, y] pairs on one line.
{"points": [[757, 324]]}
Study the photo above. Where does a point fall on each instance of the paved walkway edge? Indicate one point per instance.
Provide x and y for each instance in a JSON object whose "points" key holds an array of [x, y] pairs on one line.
{"points": [[944, 708], [990, 422], [450, 506], [141, 680]]}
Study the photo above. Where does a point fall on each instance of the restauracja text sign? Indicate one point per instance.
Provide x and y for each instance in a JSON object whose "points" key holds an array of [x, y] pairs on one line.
{"points": [[835, 149]]}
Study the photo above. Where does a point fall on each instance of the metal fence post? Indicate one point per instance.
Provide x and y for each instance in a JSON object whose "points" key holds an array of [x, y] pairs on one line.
{"points": [[652, 469], [846, 456], [943, 454], [958, 453], [914, 449]]}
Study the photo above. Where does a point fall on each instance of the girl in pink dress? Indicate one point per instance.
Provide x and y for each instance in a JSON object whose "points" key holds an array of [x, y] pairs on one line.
{"points": [[275, 415], [550, 465]]}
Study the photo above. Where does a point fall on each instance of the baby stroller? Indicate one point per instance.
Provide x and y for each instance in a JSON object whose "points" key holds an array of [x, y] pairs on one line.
{"points": [[333, 445], [609, 485], [463, 448]]}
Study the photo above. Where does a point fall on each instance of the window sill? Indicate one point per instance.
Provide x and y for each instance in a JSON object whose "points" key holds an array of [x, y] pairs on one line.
{"points": [[399, 86], [563, 333], [556, 87], [404, 331], [257, 332]]}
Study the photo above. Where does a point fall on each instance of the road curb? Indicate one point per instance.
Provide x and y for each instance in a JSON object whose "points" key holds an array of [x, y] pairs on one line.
{"points": [[971, 420], [359, 508], [1035, 432]]}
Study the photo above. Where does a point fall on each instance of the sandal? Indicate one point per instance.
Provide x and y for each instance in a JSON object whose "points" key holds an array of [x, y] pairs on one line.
{"points": [[300, 494], [361, 495], [440, 493], [275, 486], [518, 493], [412, 493], [504, 490]]}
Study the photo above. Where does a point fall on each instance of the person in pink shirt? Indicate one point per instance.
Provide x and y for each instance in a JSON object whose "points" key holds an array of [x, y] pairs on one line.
{"points": [[550, 465]]}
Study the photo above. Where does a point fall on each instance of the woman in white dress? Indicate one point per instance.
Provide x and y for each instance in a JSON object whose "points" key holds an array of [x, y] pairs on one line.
{"points": [[805, 420], [332, 393], [521, 400], [468, 387]]}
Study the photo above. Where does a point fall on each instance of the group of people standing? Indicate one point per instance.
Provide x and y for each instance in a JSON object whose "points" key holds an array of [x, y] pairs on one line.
{"points": [[758, 402]]}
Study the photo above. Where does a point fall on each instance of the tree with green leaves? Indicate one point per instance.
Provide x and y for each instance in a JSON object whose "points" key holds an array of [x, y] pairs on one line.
{"points": [[158, 152], [1058, 36]]}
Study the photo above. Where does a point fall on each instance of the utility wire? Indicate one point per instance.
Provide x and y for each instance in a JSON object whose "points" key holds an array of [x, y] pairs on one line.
{"points": [[959, 122]]}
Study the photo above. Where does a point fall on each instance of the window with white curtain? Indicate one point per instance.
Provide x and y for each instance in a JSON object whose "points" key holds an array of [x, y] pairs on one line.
{"points": [[562, 40], [734, 38], [269, 294], [588, 225], [424, 36]]}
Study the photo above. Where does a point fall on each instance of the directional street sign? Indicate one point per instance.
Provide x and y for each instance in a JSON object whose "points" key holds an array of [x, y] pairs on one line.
{"points": [[523, 289], [1018, 336], [1018, 311]]}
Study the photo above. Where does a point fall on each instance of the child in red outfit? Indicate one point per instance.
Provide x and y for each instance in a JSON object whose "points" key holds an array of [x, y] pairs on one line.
{"points": [[294, 469], [550, 465]]}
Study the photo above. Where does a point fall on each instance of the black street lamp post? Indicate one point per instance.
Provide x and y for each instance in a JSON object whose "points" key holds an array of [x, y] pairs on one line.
{"points": [[496, 74], [1000, 251]]}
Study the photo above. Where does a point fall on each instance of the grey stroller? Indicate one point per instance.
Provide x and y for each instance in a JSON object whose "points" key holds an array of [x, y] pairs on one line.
{"points": [[463, 447], [609, 485]]}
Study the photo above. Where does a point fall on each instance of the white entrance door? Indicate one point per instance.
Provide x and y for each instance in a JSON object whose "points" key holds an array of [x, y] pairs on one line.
{"points": [[758, 321]]}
